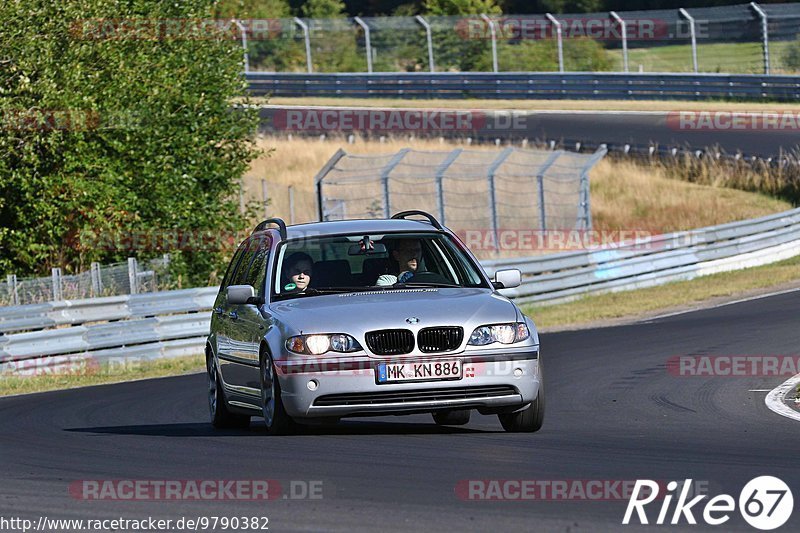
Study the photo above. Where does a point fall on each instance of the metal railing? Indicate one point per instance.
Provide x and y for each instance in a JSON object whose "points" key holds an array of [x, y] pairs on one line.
{"points": [[467, 189], [101, 280], [527, 85], [740, 38], [175, 323]]}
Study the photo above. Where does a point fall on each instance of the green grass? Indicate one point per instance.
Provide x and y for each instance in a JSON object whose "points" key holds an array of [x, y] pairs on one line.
{"points": [[734, 58], [636, 303], [82, 375]]}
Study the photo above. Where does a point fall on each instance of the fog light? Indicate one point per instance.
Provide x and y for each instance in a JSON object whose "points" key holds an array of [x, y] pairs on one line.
{"points": [[517, 372], [312, 385]]}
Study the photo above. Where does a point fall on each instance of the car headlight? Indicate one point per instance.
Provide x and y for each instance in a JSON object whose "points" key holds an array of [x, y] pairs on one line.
{"points": [[319, 344], [502, 333]]}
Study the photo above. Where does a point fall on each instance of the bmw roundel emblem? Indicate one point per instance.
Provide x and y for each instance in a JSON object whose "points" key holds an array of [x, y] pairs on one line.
{"points": [[412, 320]]}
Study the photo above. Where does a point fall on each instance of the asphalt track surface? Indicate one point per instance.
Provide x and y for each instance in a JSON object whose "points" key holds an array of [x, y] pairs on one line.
{"points": [[615, 128], [613, 413]]}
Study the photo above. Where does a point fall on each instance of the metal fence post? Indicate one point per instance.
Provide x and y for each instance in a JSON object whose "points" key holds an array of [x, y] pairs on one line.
{"points": [[551, 159], [493, 33], [265, 197], [321, 176], [429, 38], [764, 34], [368, 43], [624, 38], [452, 156], [244, 45], [133, 279], [12, 285], [692, 32], [387, 205], [491, 171], [97, 282], [56, 277], [307, 39], [585, 213], [291, 204], [557, 25]]}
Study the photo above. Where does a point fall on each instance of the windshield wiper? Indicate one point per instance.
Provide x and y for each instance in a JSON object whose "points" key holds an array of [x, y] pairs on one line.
{"points": [[411, 284]]}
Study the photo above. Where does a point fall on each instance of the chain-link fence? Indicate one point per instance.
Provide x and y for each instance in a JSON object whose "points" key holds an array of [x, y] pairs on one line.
{"points": [[742, 38], [468, 190], [129, 277]]}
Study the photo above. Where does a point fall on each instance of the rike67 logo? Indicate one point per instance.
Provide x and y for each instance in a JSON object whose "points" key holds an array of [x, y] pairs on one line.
{"points": [[765, 503]]}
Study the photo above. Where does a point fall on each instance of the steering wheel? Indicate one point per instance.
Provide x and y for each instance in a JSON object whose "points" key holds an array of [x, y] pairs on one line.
{"points": [[428, 277]]}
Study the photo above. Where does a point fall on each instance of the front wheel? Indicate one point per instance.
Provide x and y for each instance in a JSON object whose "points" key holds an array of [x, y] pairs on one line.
{"points": [[528, 420], [276, 420], [221, 417]]}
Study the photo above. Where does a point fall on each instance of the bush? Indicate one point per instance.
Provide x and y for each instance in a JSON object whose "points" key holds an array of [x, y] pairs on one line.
{"points": [[151, 143]]}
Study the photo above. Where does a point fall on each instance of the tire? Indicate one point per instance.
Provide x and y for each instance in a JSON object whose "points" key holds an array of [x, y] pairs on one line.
{"points": [[456, 417], [276, 420], [221, 417], [528, 420]]}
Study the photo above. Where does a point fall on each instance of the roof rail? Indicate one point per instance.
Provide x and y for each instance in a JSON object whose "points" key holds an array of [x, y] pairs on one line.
{"points": [[279, 221], [431, 218]]}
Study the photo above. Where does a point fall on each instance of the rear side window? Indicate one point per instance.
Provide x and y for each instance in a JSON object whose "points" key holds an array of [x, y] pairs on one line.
{"points": [[257, 269], [231, 272]]}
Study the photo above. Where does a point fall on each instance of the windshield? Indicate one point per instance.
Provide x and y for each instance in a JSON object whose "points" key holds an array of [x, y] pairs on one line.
{"points": [[348, 263]]}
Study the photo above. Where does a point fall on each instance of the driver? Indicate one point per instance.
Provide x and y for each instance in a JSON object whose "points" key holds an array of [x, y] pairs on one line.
{"points": [[408, 255], [297, 272]]}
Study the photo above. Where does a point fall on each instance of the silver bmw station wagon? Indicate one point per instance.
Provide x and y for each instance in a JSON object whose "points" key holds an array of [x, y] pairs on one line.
{"points": [[315, 322]]}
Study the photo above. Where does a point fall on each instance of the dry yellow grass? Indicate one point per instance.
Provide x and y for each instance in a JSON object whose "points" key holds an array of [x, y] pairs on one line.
{"points": [[624, 195]]}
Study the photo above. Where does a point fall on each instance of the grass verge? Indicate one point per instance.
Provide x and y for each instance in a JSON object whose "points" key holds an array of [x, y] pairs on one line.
{"points": [[625, 194], [83, 375], [664, 298]]}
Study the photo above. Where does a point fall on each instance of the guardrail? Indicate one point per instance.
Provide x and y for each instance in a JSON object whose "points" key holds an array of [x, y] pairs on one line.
{"points": [[662, 259], [174, 323], [526, 85]]}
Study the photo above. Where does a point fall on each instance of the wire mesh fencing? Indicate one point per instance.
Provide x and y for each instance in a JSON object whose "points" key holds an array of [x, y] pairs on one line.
{"points": [[477, 192], [742, 38], [130, 277]]}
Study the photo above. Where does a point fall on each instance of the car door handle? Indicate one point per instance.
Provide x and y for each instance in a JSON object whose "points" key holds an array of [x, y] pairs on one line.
{"points": [[232, 315]]}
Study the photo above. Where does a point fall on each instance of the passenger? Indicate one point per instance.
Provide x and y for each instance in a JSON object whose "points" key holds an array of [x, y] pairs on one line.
{"points": [[407, 253], [297, 269]]}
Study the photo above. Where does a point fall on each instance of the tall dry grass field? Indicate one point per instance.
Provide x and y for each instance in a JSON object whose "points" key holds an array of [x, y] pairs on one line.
{"points": [[624, 194]]}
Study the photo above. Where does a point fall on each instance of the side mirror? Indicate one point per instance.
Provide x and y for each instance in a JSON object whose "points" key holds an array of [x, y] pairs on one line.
{"points": [[240, 294], [507, 279]]}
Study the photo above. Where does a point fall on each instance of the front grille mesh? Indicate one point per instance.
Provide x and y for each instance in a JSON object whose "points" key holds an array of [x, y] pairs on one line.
{"points": [[415, 395], [390, 341], [441, 339]]}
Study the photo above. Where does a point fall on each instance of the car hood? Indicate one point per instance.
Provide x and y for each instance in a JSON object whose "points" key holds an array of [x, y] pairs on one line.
{"points": [[357, 313]]}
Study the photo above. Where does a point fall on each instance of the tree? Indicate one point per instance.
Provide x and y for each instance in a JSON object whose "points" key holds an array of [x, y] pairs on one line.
{"points": [[462, 7], [113, 129]]}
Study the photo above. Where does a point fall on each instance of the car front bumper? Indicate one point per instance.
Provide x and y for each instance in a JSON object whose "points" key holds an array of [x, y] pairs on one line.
{"points": [[348, 387]]}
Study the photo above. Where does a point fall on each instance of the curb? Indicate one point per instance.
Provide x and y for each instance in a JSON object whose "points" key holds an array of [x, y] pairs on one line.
{"points": [[775, 398]]}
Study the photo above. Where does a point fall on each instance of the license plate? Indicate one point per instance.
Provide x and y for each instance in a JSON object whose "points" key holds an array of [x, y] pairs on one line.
{"points": [[419, 371]]}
